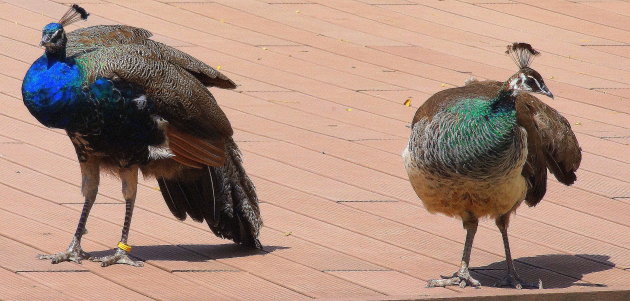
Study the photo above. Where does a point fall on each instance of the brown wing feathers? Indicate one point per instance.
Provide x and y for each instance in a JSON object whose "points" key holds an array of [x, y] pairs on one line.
{"points": [[116, 35], [193, 151], [551, 143]]}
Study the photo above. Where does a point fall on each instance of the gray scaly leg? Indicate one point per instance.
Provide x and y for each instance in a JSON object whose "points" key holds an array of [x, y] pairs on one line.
{"points": [[511, 279], [129, 177], [462, 277], [89, 187]]}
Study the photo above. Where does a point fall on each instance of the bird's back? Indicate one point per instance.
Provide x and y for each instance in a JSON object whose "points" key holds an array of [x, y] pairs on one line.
{"points": [[137, 41]]}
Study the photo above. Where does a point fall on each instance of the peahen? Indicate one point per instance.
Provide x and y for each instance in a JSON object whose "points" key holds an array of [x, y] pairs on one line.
{"points": [[129, 103], [482, 149]]}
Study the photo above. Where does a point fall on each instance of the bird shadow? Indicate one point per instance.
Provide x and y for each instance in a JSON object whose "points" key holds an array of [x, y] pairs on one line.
{"points": [[554, 270], [191, 253]]}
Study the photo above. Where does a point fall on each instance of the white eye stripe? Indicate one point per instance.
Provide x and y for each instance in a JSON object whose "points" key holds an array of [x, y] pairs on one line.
{"points": [[524, 85], [58, 32], [514, 82], [524, 79], [540, 87]]}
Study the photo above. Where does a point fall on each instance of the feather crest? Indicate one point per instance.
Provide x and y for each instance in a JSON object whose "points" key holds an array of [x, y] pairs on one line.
{"points": [[522, 54], [74, 14]]}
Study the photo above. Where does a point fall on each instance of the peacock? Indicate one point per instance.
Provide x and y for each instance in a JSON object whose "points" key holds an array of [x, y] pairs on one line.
{"points": [[482, 149], [132, 104]]}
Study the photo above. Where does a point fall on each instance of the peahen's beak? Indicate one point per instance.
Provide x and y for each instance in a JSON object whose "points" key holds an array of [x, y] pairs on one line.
{"points": [[544, 90]]}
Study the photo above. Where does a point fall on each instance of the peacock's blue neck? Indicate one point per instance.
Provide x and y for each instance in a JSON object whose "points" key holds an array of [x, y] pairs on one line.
{"points": [[52, 89], [56, 55]]}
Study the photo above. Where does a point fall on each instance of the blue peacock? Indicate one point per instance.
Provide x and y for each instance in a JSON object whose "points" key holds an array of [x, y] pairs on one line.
{"points": [[131, 104], [482, 149]]}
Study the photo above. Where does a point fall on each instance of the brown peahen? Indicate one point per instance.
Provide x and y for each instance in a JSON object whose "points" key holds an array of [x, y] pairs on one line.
{"points": [[482, 149], [129, 103]]}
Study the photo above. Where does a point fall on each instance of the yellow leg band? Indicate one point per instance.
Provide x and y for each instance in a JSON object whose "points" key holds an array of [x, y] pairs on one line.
{"points": [[124, 247]]}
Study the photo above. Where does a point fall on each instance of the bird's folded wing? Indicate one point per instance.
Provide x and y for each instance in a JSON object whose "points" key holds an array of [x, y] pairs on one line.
{"points": [[90, 38], [209, 76], [104, 36], [551, 144], [178, 96], [193, 151]]}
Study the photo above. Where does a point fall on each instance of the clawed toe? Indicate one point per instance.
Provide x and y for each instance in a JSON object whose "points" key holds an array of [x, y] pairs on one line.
{"points": [[120, 257], [74, 255], [461, 279], [515, 282]]}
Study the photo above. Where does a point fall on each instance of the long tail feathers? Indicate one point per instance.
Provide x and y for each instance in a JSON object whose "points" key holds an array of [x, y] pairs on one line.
{"points": [[223, 196]]}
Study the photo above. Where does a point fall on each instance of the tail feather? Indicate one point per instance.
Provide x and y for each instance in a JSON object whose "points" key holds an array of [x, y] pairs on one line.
{"points": [[172, 201], [237, 191], [194, 199], [223, 196]]}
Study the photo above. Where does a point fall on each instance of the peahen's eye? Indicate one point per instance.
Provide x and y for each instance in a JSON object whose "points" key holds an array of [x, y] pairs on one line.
{"points": [[531, 82]]}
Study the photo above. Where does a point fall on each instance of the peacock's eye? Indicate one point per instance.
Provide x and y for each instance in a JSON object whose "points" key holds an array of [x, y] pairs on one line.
{"points": [[55, 36]]}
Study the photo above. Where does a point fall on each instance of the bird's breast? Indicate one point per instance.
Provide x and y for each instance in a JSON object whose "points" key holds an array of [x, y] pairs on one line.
{"points": [[452, 144], [51, 90]]}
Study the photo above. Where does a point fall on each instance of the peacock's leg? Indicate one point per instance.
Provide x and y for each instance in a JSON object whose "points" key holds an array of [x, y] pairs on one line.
{"points": [[511, 279], [129, 177], [89, 187], [462, 277]]}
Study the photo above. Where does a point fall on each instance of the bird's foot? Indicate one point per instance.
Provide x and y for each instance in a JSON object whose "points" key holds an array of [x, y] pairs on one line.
{"points": [[74, 254], [120, 257], [511, 280], [462, 278]]}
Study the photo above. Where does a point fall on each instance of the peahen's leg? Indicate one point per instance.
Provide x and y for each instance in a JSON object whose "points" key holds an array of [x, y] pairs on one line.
{"points": [[129, 178], [462, 277], [90, 178], [511, 279]]}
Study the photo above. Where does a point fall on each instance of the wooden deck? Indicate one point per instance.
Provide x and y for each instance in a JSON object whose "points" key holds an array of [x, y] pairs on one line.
{"points": [[320, 118]]}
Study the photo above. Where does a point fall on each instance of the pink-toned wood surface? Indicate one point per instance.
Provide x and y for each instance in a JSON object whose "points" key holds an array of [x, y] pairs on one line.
{"points": [[320, 118]]}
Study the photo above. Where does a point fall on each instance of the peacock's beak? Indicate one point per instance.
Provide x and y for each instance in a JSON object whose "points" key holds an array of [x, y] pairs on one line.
{"points": [[46, 41]]}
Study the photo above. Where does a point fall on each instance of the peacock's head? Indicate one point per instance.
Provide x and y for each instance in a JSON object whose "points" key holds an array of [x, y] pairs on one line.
{"points": [[53, 35], [526, 79]]}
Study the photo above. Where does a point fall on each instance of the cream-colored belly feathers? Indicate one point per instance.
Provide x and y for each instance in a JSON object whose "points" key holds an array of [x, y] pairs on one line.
{"points": [[455, 196]]}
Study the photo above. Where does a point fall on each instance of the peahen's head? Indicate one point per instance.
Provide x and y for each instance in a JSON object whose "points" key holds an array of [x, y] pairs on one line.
{"points": [[53, 35], [526, 79]]}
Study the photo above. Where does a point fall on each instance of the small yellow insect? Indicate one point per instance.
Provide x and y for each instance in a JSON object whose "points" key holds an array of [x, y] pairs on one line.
{"points": [[407, 102]]}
